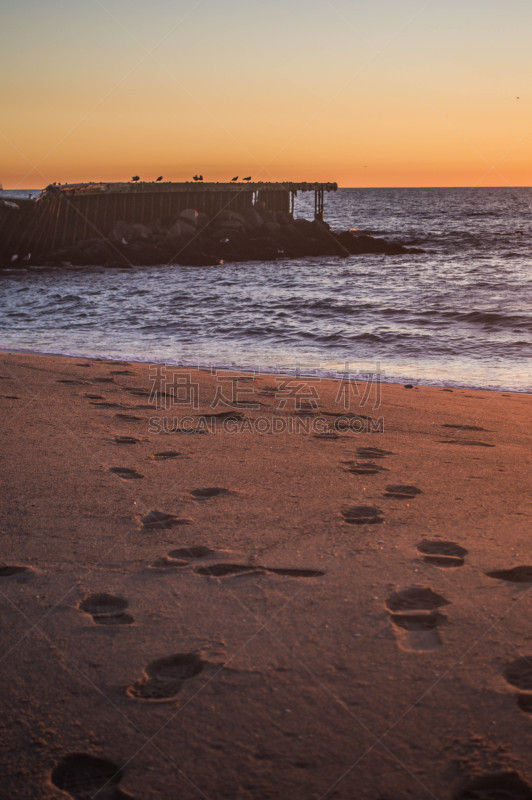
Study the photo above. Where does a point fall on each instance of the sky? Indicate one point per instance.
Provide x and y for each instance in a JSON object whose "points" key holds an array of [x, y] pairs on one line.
{"points": [[365, 93]]}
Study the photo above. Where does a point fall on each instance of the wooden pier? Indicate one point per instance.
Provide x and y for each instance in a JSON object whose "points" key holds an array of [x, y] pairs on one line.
{"points": [[63, 215]]}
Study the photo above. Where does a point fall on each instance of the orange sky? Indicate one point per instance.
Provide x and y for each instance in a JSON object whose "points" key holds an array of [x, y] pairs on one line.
{"points": [[392, 93]]}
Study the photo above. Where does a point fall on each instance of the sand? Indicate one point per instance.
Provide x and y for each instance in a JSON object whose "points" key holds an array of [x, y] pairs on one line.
{"points": [[225, 601]]}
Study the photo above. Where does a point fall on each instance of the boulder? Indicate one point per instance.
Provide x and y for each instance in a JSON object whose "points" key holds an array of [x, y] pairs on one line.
{"points": [[284, 218], [225, 225], [203, 220], [363, 243], [231, 218], [253, 218], [130, 232], [190, 215], [272, 227], [180, 229]]}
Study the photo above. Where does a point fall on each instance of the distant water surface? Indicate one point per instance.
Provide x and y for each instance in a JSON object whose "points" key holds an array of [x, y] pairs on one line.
{"points": [[457, 315]]}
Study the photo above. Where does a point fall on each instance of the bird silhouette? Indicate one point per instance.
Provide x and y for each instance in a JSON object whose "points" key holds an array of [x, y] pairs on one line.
{"points": [[135, 178], [200, 178], [234, 179], [247, 179], [159, 178], [196, 177]]}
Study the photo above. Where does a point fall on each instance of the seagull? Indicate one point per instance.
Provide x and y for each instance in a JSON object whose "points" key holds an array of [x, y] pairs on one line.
{"points": [[200, 178], [135, 178], [234, 179], [196, 178], [159, 178], [247, 179]]}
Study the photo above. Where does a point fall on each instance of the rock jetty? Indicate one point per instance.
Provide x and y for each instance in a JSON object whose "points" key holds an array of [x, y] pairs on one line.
{"points": [[196, 239]]}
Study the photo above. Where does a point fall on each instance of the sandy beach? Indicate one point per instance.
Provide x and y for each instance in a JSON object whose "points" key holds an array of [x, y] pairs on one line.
{"points": [[257, 586]]}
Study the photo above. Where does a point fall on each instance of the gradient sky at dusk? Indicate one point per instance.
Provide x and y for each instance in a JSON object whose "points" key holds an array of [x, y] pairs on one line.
{"points": [[381, 93]]}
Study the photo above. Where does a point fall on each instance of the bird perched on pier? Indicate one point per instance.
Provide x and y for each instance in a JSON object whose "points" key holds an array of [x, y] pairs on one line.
{"points": [[247, 179], [200, 178], [234, 179], [197, 177], [159, 178], [135, 178]]}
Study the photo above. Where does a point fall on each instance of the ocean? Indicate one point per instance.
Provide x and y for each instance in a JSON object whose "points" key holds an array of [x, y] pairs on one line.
{"points": [[457, 315]]}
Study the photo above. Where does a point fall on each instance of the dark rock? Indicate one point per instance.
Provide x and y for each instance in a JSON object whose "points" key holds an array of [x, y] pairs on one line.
{"points": [[196, 239], [190, 215]]}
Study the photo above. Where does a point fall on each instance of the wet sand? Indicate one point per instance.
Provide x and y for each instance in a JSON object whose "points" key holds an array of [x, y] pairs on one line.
{"points": [[261, 587]]}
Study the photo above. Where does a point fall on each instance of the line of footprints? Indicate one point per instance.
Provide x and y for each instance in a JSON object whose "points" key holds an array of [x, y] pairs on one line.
{"points": [[82, 775], [414, 612], [85, 776]]}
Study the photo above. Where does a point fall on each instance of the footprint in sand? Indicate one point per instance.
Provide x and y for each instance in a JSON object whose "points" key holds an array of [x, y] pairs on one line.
{"points": [[193, 551], [497, 786], [524, 702], [106, 609], [363, 467], [138, 391], [103, 380], [165, 455], [466, 442], [294, 572], [227, 570], [126, 440], [158, 520], [362, 515], [182, 556], [164, 678], [230, 570], [521, 574], [401, 491], [208, 492], [519, 674], [415, 617], [83, 776], [106, 404], [8, 570], [189, 431], [463, 427], [125, 473], [373, 452], [327, 435], [129, 417], [442, 553], [234, 416], [95, 396]]}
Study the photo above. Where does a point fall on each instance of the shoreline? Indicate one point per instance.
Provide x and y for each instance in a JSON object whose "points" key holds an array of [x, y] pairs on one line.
{"points": [[235, 611], [322, 374]]}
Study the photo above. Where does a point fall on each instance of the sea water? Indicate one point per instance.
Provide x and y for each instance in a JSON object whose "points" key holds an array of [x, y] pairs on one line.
{"points": [[457, 314]]}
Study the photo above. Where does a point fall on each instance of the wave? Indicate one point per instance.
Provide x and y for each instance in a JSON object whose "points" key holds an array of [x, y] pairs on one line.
{"points": [[491, 318]]}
